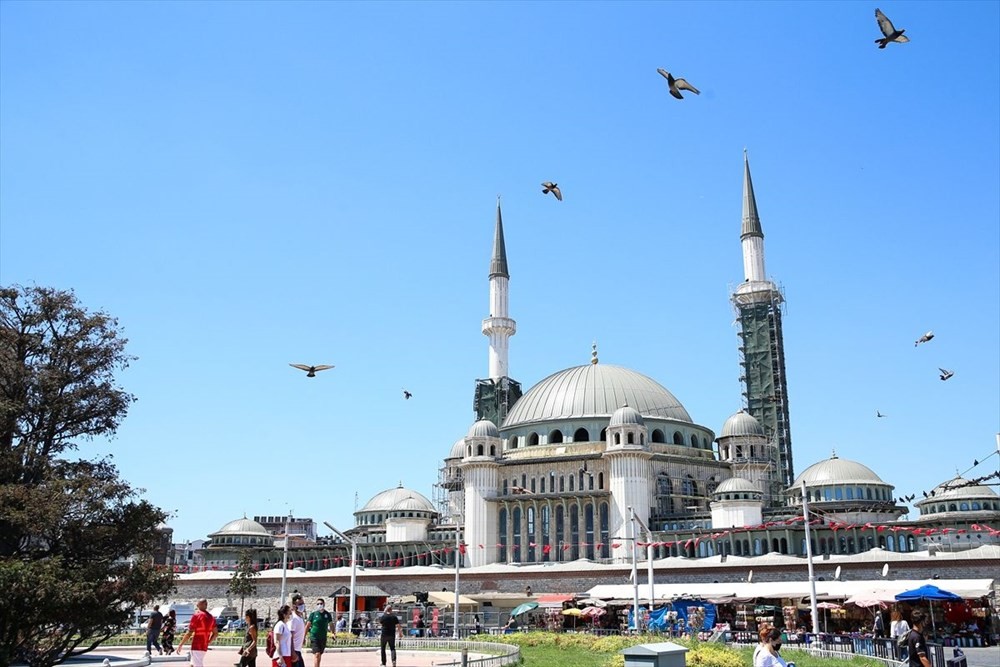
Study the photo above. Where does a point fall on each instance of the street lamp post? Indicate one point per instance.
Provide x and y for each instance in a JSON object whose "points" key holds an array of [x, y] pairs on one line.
{"points": [[809, 560], [354, 571], [649, 558], [458, 565], [284, 559], [635, 573]]}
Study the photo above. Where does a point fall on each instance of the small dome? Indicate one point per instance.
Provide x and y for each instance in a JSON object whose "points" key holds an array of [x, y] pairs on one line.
{"points": [[737, 485], [626, 416], [388, 500], [458, 449], [836, 470], [484, 428], [742, 424], [409, 504], [242, 526], [959, 488]]}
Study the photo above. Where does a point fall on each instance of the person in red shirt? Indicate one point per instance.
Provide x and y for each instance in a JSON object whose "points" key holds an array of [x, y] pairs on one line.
{"points": [[202, 630]]}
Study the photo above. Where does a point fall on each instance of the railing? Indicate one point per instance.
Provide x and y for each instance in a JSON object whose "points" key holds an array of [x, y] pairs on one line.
{"points": [[883, 650]]}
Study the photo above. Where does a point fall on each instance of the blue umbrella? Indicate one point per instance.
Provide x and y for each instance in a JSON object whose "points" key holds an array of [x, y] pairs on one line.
{"points": [[929, 593]]}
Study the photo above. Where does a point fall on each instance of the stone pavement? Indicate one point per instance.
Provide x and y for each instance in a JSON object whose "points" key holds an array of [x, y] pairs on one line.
{"points": [[226, 656]]}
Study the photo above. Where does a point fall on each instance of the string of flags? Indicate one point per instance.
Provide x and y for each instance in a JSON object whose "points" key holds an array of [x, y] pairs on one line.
{"points": [[835, 526]]}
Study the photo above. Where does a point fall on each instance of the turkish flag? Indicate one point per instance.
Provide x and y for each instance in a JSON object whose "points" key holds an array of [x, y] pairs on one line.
{"points": [[461, 549], [547, 549], [615, 545]]}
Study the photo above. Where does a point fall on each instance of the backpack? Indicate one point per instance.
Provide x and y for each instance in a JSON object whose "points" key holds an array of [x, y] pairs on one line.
{"points": [[271, 648]]}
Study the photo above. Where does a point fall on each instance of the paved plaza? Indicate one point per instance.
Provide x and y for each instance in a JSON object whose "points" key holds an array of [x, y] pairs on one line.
{"points": [[226, 656]]}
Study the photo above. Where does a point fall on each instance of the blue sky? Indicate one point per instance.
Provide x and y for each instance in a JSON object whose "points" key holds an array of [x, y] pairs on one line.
{"points": [[248, 185]]}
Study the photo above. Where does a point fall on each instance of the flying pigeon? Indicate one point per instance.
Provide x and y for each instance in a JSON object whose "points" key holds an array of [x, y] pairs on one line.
{"points": [[945, 374], [518, 490], [879, 414], [310, 370], [407, 395], [889, 30], [677, 85], [923, 339], [549, 186]]}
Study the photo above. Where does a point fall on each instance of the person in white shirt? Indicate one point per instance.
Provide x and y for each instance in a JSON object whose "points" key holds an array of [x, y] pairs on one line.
{"points": [[298, 627], [764, 631], [769, 657], [283, 638], [899, 630]]}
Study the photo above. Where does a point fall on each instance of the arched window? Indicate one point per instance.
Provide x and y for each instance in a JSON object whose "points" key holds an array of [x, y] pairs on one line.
{"points": [[694, 440], [512, 442], [572, 479], [581, 435], [560, 532], [975, 505], [544, 513], [604, 435], [524, 481], [529, 533], [574, 531], [642, 438], [515, 524], [952, 507], [631, 438], [604, 531], [562, 484], [469, 452], [590, 483], [541, 483], [618, 438], [678, 438], [493, 450], [964, 507], [502, 535], [479, 450], [533, 484], [532, 439], [657, 436], [588, 526], [600, 481], [555, 437]]}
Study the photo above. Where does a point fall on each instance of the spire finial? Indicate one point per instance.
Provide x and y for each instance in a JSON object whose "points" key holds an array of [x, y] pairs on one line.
{"points": [[593, 353], [834, 454], [751, 221], [498, 263]]}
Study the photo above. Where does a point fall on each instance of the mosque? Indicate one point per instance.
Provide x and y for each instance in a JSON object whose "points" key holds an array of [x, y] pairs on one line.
{"points": [[595, 458]]}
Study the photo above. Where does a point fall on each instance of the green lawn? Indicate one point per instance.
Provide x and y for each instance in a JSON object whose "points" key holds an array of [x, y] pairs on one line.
{"points": [[539, 649]]}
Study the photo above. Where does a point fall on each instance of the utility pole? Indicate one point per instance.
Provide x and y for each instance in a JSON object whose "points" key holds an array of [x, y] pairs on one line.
{"points": [[809, 560]]}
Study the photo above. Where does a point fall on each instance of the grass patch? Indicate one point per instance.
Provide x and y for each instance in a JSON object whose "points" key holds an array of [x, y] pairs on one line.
{"points": [[545, 649]]}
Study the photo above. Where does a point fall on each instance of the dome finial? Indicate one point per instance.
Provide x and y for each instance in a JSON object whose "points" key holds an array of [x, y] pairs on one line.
{"points": [[593, 353], [834, 454]]}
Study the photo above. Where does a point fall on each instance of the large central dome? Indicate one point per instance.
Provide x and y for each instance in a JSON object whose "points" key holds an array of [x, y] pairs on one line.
{"points": [[594, 390]]}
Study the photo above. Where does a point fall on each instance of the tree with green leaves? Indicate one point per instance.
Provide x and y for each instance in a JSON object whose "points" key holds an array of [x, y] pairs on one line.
{"points": [[76, 541], [242, 583]]}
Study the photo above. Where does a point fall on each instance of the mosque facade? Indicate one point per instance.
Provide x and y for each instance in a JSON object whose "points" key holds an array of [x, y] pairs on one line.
{"points": [[598, 459]]}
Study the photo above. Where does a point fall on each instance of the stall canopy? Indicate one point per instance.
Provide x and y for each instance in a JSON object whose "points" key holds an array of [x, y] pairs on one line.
{"points": [[554, 600], [446, 600], [880, 590]]}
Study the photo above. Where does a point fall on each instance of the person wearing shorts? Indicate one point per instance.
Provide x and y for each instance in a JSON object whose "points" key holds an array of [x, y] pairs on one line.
{"points": [[317, 627], [202, 631]]}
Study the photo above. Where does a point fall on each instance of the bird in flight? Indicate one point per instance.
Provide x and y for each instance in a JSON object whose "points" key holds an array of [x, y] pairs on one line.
{"points": [[310, 370], [407, 395], [518, 490], [945, 374], [889, 30], [677, 85], [923, 339], [549, 186], [879, 414]]}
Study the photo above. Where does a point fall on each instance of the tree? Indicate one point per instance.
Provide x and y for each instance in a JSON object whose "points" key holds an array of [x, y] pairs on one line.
{"points": [[76, 541], [242, 583]]}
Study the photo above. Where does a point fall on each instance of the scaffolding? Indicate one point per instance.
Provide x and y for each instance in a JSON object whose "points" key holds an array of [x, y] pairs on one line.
{"points": [[762, 372], [449, 492]]}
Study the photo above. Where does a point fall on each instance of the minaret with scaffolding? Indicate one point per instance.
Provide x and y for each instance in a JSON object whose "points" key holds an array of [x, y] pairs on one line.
{"points": [[496, 395], [759, 308]]}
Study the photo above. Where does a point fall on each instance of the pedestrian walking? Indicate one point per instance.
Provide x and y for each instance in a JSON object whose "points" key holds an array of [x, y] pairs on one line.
{"points": [[248, 651], [916, 644], [167, 634], [761, 648], [317, 627], [391, 628], [202, 630], [770, 656], [282, 633], [153, 627], [298, 627], [899, 630]]}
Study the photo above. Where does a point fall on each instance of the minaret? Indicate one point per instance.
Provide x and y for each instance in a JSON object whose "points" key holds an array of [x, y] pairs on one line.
{"points": [[496, 395], [758, 303], [498, 326], [627, 454]]}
